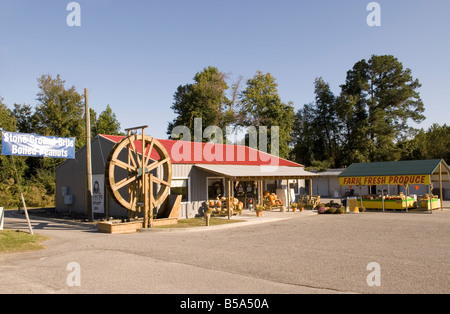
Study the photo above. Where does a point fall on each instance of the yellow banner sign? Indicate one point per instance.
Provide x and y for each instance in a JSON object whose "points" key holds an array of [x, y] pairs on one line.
{"points": [[386, 180]]}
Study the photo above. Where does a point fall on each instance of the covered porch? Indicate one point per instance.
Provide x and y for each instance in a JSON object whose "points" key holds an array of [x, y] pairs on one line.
{"points": [[247, 183]]}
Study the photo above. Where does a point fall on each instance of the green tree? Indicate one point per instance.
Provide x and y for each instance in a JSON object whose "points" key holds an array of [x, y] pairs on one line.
{"points": [[317, 128], [204, 99], [384, 96], [260, 105], [8, 123], [106, 123], [433, 143], [25, 118], [60, 110], [303, 150], [9, 178]]}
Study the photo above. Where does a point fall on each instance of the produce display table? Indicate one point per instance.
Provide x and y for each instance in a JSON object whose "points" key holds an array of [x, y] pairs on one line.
{"points": [[435, 203], [388, 204]]}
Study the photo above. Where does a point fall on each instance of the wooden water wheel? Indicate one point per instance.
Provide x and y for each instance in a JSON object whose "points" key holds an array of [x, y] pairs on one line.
{"points": [[138, 173]]}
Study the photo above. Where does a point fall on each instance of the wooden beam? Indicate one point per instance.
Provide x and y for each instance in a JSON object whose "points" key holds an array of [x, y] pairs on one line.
{"points": [[136, 128], [146, 199], [288, 196], [151, 199], [229, 199], [89, 211]]}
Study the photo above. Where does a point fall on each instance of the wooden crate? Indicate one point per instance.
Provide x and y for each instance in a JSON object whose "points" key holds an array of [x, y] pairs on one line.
{"points": [[119, 228], [165, 222]]}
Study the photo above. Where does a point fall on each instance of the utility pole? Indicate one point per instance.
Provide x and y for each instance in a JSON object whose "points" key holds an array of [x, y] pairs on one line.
{"points": [[89, 212]]}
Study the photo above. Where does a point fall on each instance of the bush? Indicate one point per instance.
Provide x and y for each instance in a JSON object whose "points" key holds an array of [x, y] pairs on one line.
{"points": [[332, 210], [340, 210], [35, 196]]}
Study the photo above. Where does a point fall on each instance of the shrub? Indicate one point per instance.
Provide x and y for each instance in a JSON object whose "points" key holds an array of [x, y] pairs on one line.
{"points": [[332, 210], [35, 196], [340, 210]]}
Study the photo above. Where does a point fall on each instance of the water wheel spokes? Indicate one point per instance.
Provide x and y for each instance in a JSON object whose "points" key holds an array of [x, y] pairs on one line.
{"points": [[128, 169]]}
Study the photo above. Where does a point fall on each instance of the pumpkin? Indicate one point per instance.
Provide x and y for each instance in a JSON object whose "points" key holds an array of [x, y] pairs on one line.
{"points": [[219, 203]]}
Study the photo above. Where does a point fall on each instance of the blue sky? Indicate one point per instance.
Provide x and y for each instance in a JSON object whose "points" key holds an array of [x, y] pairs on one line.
{"points": [[133, 54]]}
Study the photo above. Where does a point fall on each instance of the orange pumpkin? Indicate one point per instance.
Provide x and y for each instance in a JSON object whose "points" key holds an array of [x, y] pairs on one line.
{"points": [[219, 203]]}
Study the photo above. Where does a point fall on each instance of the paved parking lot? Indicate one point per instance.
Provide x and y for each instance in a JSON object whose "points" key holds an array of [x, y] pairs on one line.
{"points": [[302, 254]]}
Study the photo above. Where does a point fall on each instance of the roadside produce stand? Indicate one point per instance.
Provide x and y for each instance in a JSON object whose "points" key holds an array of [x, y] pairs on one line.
{"points": [[400, 173]]}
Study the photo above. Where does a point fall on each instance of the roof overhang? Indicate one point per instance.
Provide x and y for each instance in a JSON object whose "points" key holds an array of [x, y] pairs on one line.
{"points": [[243, 173], [400, 172]]}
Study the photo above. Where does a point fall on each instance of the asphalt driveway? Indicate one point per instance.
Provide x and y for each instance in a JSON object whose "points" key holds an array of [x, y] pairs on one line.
{"points": [[302, 254]]}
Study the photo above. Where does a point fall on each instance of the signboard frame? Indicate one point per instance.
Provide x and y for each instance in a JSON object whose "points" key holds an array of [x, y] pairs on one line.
{"points": [[32, 145]]}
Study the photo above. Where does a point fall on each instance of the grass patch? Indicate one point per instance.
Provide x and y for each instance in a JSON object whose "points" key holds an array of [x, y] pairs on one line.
{"points": [[12, 241], [200, 222]]}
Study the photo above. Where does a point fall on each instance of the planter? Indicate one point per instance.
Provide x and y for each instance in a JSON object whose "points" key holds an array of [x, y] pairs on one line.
{"points": [[294, 209], [118, 228], [259, 213]]}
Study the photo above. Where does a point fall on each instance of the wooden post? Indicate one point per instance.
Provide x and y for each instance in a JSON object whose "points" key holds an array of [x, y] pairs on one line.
{"points": [[288, 196], [146, 200], [261, 192], [89, 211], [440, 186], [150, 199], [229, 199], [107, 205], [430, 202], [130, 212], [26, 214]]}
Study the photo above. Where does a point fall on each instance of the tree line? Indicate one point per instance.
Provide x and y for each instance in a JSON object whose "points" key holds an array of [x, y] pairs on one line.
{"points": [[59, 112], [370, 120]]}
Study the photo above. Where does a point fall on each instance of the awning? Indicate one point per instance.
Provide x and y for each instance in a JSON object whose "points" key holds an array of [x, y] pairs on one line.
{"points": [[396, 173], [242, 173]]}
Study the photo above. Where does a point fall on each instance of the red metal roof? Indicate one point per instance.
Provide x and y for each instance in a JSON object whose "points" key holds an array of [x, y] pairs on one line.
{"points": [[213, 154]]}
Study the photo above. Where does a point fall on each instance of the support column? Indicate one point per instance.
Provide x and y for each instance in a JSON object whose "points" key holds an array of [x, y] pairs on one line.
{"points": [[150, 200], [89, 211], [146, 200], [229, 199], [288, 205]]}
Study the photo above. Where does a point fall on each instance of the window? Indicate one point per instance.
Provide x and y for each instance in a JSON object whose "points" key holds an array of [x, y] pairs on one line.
{"points": [[271, 186], [180, 187], [216, 188]]}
